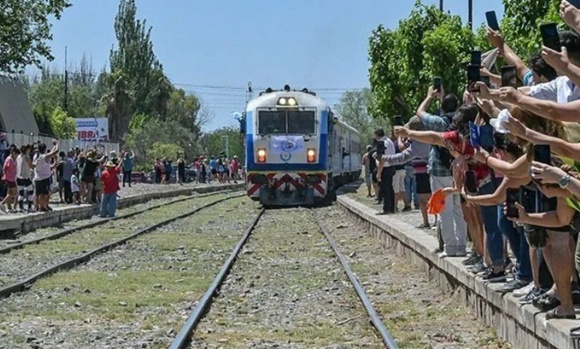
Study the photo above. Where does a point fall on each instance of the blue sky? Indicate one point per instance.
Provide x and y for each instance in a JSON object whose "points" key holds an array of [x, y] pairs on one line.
{"points": [[214, 48]]}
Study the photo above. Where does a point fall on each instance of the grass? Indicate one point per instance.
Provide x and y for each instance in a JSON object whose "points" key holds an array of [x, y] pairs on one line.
{"points": [[291, 258], [152, 281]]}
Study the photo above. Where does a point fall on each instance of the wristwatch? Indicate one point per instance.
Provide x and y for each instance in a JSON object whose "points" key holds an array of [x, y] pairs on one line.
{"points": [[564, 181]]}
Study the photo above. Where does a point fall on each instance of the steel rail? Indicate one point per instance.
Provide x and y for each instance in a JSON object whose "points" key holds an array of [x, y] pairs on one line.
{"points": [[387, 338], [70, 263], [69, 231], [184, 335]]}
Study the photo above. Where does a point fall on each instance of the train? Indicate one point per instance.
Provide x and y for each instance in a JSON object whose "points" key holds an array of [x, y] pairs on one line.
{"points": [[297, 152]]}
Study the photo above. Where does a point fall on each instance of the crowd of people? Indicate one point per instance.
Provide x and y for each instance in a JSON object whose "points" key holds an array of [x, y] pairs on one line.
{"points": [[499, 168], [31, 173], [218, 169]]}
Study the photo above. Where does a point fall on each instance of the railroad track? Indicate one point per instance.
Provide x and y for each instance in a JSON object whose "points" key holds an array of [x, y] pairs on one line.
{"points": [[25, 282], [184, 338]]}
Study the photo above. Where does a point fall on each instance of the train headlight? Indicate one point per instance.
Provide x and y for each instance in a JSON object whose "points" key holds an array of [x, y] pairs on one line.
{"points": [[261, 155], [311, 155], [287, 102]]}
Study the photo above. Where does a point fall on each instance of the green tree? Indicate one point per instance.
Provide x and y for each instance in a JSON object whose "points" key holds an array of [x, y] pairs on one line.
{"points": [[160, 150], [214, 143], [183, 108], [153, 130], [426, 44], [62, 125], [25, 32], [353, 109], [520, 24], [143, 76]]}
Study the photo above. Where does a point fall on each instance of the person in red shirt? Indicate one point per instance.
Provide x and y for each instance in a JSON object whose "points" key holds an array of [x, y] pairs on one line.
{"points": [[458, 142], [110, 181]]}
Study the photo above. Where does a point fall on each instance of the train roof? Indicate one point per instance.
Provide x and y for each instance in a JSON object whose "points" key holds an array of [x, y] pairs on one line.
{"points": [[345, 125], [269, 98]]}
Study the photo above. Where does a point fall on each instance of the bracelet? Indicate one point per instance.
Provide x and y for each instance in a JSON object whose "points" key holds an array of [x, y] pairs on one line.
{"points": [[487, 159]]}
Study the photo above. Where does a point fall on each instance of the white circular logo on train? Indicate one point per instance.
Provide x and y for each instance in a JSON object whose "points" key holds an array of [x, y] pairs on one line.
{"points": [[290, 145], [285, 156]]}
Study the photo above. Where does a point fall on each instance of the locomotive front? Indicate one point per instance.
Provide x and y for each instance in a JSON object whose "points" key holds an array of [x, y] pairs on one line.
{"points": [[287, 148]]}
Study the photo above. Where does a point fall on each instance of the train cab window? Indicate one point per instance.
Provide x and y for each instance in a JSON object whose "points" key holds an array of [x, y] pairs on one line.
{"points": [[301, 122], [272, 122], [286, 122]]}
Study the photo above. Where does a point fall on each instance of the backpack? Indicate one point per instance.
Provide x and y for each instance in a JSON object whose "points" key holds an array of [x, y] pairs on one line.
{"points": [[445, 156]]}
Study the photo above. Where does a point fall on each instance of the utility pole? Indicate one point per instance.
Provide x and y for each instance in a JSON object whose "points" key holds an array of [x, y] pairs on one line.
{"points": [[249, 93], [227, 146], [441, 5], [65, 80], [470, 14]]}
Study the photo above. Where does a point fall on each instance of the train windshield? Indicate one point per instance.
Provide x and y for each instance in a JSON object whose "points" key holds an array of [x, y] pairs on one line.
{"points": [[286, 122]]}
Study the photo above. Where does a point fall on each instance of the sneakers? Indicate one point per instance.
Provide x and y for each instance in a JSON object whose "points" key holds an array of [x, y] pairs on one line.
{"points": [[534, 294], [473, 260], [515, 284], [493, 277], [524, 290], [477, 268]]}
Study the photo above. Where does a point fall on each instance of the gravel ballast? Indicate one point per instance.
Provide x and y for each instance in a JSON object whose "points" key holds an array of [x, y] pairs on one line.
{"points": [[135, 296], [31, 259], [287, 290]]}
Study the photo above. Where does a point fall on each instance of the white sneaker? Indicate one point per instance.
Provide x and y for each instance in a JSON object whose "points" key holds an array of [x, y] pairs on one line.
{"points": [[523, 291]]}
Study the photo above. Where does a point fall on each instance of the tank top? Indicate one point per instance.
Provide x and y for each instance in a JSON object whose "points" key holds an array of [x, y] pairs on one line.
{"points": [[42, 169], [22, 167]]}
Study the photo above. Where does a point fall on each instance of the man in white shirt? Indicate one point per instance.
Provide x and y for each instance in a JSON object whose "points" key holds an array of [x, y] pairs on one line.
{"points": [[385, 147]]}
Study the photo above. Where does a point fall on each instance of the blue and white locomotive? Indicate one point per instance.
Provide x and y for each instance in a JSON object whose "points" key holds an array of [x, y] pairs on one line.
{"points": [[297, 151]]}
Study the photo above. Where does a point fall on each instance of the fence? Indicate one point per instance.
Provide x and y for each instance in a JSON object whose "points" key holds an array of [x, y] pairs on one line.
{"points": [[64, 144]]}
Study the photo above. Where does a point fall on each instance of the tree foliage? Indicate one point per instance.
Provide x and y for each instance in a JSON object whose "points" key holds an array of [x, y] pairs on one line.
{"points": [[404, 61], [213, 143], [25, 32], [133, 92], [63, 126], [353, 109], [141, 139], [520, 24]]}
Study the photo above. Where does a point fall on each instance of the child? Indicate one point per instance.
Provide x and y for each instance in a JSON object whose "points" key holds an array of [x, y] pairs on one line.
{"points": [[75, 186], [98, 184]]}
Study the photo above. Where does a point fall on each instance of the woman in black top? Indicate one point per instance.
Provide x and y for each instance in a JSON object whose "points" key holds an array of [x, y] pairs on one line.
{"points": [[181, 171]]}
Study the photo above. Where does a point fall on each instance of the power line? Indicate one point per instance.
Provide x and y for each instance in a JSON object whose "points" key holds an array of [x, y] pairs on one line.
{"points": [[238, 88]]}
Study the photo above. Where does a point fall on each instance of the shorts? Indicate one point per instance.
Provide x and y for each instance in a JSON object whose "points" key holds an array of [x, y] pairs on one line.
{"points": [[42, 187], [10, 184], [399, 181], [89, 179], [422, 183], [368, 179], [24, 182], [213, 171]]}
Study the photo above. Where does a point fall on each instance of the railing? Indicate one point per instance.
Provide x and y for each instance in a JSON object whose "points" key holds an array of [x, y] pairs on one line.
{"points": [[64, 144]]}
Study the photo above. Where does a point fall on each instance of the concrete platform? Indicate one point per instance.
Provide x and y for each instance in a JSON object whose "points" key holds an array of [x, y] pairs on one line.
{"points": [[523, 326], [23, 223]]}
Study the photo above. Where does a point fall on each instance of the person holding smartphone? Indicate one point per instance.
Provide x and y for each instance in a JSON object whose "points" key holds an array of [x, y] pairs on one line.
{"points": [[385, 171], [457, 140]]}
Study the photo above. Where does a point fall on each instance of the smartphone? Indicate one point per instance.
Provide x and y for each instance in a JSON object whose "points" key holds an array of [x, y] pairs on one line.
{"points": [[473, 77], [509, 76], [476, 58], [512, 196], [470, 182], [492, 20], [550, 36], [474, 135], [543, 154], [437, 83], [575, 3], [398, 120], [486, 80]]}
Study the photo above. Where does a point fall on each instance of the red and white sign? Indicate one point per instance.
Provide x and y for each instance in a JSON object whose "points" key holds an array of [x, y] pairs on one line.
{"points": [[93, 129]]}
